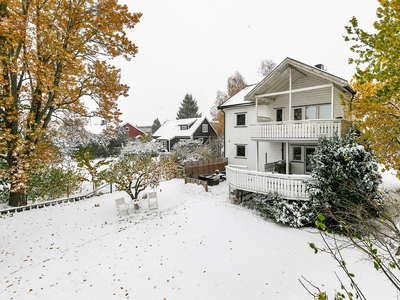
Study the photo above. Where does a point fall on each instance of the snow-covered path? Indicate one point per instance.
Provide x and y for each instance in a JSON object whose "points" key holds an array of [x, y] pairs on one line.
{"points": [[196, 245]]}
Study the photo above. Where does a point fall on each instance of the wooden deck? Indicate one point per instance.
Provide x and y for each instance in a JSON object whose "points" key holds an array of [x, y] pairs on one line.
{"points": [[290, 187]]}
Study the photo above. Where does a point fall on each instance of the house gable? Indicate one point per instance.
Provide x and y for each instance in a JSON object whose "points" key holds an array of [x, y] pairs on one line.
{"points": [[301, 77], [133, 131], [175, 130]]}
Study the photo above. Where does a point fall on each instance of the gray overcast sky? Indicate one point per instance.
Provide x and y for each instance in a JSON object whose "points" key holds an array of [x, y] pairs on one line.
{"points": [[188, 46]]}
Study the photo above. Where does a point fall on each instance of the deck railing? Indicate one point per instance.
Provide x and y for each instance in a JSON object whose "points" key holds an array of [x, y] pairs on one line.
{"points": [[307, 129], [288, 186]]}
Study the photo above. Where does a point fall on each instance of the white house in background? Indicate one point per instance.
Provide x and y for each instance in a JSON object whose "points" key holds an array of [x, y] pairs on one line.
{"points": [[271, 127], [172, 131]]}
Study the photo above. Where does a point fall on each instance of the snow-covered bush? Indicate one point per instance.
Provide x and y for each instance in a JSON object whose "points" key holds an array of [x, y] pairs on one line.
{"points": [[151, 148], [346, 179], [71, 138], [287, 212], [191, 150]]}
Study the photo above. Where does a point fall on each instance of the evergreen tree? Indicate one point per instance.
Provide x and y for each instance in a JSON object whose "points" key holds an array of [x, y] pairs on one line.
{"points": [[156, 125], [188, 108], [346, 181]]}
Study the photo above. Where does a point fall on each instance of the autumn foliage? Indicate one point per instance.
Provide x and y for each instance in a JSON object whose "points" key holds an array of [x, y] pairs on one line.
{"points": [[376, 106], [52, 58], [235, 83]]}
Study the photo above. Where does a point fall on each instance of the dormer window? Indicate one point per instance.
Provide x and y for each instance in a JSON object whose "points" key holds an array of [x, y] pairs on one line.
{"points": [[184, 127]]}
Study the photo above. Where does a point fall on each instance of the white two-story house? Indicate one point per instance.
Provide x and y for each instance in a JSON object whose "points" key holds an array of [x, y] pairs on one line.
{"points": [[272, 127]]}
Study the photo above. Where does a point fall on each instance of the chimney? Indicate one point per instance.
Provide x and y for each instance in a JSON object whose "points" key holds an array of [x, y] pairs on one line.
{"points": [[320, 66]]}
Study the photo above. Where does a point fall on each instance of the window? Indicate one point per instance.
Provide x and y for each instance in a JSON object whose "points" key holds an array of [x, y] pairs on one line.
{"points": [[204, 128], [279, 115], [324, 111], [296, 153], [127, 128], [298, 114], [240, 119], [311, 112], [240, 150], [164, 144], [184, 127]]}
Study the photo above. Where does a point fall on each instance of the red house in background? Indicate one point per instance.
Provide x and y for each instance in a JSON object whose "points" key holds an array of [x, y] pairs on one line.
{"points": [[133, 131]]}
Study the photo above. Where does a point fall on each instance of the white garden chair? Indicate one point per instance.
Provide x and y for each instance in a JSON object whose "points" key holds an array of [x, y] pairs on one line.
{"points": [[121, 206], [152, 199]]}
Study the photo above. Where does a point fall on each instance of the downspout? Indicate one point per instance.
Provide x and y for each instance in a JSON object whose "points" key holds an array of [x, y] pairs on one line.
{"points": [[257, 157], [256, 109], [287, 157], [332, 102], [290, 94], [224, 133]]}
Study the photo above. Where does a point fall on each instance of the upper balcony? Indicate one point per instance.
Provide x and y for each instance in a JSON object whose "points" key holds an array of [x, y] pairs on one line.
{"points": [[298, 130]]}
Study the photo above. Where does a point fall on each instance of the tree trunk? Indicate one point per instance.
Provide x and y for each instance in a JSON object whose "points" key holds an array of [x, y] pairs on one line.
{"points": [[17, 199]]}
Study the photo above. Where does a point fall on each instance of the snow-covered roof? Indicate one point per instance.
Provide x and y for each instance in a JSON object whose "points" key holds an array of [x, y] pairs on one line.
{"points": [[136, 127], [238, 98], [172, 128]]}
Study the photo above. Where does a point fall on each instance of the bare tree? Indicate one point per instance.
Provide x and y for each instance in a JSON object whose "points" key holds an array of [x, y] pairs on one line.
{"points": [[266, 67]]}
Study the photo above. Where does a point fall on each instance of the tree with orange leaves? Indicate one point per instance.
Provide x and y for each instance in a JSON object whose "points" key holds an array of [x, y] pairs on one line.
{"points": [[52, 58], [235, 83], [376, 106]]}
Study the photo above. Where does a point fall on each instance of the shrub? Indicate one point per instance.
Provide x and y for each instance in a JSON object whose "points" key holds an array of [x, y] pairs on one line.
{"points": [[51, 181], [134, 173], [346, 178], [191, 150], [4, 189], [291, 213]]}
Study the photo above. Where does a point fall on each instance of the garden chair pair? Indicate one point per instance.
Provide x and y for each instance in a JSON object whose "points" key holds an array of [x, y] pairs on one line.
{"points": [[151, 197]]}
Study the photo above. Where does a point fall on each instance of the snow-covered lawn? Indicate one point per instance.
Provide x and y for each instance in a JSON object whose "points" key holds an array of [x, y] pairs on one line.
{"points": [[196, 245]]}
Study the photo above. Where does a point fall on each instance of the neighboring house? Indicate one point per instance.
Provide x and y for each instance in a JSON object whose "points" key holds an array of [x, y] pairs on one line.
{"points": [[274, 126], [172, 131], [133, 131], [145, 129]]}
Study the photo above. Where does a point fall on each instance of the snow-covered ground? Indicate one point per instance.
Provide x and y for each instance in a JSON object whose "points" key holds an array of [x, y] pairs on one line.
{"points": [[196, 245]]}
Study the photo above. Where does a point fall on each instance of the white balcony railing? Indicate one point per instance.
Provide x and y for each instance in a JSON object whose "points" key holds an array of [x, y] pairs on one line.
{"points": [[307, 129], [288, 186]]}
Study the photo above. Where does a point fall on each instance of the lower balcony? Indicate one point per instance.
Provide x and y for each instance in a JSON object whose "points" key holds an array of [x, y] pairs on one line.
{"points": [[290, 187], [306, 129]]}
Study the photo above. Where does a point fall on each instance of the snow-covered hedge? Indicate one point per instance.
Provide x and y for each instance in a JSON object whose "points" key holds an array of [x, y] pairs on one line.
{"points": [[346, 180], [287, 212]]}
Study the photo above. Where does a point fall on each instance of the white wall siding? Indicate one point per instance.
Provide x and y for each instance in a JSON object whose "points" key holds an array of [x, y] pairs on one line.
{"points": [[312, 97], [235, 135], [307, 81]]}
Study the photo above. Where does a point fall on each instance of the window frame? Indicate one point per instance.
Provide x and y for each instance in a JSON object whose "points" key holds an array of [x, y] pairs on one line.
{"points": [[276, 114], [304, 111], [245, 119], [237, 148], [301, 113], [204, 126], [295, 156]]}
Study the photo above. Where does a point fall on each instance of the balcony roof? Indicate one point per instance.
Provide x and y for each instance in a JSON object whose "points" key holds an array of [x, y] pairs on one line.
{"points": [[278, 80]]}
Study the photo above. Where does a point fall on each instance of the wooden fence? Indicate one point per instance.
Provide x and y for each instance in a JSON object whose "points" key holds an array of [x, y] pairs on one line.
{"points": [[193, 169], [197, 181]]}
